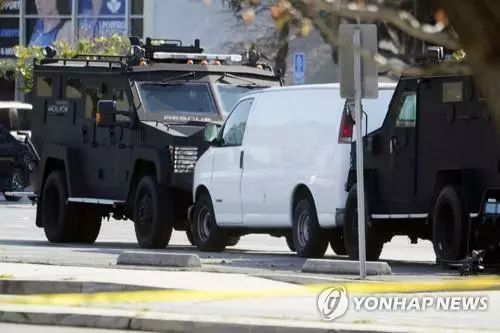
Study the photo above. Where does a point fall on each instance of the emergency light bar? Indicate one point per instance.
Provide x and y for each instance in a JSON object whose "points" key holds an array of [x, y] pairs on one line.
{"points": [[194, 56]]}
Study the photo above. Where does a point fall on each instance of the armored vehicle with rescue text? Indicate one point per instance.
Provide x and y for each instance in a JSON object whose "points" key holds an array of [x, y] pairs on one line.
{"points": [[119, 136]]}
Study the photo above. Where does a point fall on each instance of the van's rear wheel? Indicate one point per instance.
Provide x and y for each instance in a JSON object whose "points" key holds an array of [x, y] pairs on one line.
{"points": [[374, 242], [153, 214], [449, 225], [189, 235], [310, 240], [207, 235], [289, 242], [59, 224], [337, 243]]}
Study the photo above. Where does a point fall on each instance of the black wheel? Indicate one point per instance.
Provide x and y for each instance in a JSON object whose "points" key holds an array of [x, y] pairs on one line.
{"points": [[374, 242], [189, 235], [449, 221], [88, 225], [206, 234], [289, 242], [17, 184], [309, 239], [233, 241], [57, 218], [153, 214], [337, 243]]}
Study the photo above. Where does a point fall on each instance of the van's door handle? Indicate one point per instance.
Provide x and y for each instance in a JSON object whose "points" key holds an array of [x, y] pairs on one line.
{"points": [[241, 159]]}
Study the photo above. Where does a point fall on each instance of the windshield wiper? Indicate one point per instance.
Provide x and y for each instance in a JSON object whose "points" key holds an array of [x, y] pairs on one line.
{"points": [[234, 77], [179, 77], [250, 86]]}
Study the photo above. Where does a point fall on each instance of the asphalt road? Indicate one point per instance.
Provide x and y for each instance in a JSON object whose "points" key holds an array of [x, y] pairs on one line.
{"points": [[17, 328], [21, 241]]}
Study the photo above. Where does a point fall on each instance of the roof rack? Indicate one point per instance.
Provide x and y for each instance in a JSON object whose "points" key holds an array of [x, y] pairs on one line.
{"points": [[150, 52]]}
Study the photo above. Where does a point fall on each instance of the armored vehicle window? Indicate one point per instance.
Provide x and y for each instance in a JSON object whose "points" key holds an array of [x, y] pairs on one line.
{"points": [[230, 94], [92, 96], [452, 92], [44, 86], [122, 103], [177, 97], [234, 128], [73, 88], [408, 110]]}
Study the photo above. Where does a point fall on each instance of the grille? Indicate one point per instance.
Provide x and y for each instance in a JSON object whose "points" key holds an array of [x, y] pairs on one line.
{"points": [[184, 158]]}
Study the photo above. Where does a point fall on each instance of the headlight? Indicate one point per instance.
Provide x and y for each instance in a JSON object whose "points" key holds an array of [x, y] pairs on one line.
{"points": [[184, 158]]}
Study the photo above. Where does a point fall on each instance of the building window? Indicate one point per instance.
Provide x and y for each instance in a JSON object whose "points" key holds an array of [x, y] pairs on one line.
{"points": [[44, 87], [137, 7], [137, 27]]}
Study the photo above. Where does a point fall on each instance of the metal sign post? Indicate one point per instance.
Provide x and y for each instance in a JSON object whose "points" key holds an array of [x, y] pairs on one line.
{"points": [[299, 60], [358, 80]]}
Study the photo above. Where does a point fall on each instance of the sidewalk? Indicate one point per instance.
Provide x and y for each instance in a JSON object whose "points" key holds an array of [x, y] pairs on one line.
{"points": [[206, 297]]}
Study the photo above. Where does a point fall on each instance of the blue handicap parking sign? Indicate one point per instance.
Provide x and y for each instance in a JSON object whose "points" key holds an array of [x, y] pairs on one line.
{"points": [[299, 67]]}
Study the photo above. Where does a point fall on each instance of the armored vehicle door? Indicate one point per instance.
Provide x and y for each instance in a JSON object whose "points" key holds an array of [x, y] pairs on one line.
{"points": [[98, 169], [402, 147], [121, 139]]}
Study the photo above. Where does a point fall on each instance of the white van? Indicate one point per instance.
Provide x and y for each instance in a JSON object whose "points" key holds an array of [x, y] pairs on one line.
{"points": [[278, 166]]}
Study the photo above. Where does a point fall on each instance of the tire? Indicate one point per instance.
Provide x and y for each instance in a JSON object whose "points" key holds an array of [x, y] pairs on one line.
{"points": [[57, 217], [17, 184], [88, 225], [374, 242], [207, 235], [189, 235], [289, 242], [337, 243], [449, 222], [233, 241], [152, 214], [310, 240]]}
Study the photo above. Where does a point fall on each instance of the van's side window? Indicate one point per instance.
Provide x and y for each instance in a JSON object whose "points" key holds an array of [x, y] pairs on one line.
{"points": [[407, 110], [44, 86], [234, 128]]}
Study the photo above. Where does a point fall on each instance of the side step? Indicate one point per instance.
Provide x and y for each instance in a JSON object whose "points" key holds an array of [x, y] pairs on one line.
{"points": [[20, 194], [97, 201]]}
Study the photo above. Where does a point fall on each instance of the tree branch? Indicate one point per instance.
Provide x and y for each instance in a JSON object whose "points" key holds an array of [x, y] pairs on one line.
{"points": [[403, 20]]}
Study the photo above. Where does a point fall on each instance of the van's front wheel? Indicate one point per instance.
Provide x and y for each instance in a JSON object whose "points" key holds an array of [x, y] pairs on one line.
{"points": [[309, 239], [207, 235]]}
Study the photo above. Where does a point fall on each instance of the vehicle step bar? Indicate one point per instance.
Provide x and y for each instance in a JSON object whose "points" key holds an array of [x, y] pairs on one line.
{"points": [[408, 216], [97, 201], [20, 194]]}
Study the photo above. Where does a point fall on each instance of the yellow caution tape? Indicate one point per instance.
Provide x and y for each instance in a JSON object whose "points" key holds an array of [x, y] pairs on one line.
{"points": [[357, 287]]}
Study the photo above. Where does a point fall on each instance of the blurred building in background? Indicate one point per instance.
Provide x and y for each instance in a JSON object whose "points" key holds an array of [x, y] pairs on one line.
{"points": [[220, 30], [41, 22]]}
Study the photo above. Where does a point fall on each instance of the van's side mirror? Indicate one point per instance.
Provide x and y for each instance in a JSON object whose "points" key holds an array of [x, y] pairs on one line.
{"points": [[211, 133], [372, 144], [106, 113]]}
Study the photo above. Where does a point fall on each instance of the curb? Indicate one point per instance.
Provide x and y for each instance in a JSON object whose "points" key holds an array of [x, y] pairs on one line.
{"points": [[345, 267], [158, 259], [181, 323]]}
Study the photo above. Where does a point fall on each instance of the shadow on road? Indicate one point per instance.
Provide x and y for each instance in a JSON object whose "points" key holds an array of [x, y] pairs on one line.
{"points": [[232, 257]]}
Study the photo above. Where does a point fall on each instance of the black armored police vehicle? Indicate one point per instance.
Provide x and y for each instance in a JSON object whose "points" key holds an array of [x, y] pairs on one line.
{"points": [[432, 171], [120, 136]]}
